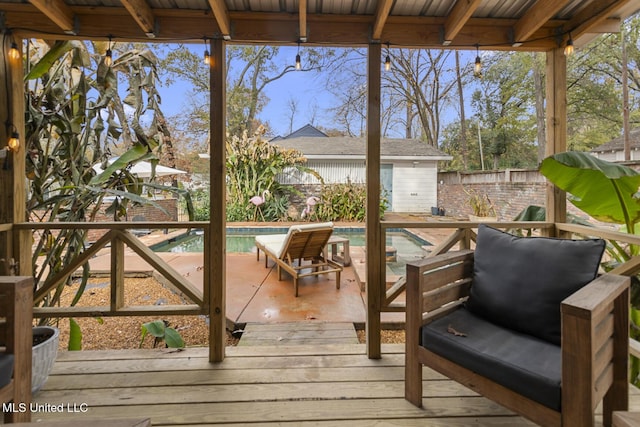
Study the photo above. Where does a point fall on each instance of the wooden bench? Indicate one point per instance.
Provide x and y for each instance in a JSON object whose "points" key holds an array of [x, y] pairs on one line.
{"points": [[16, 308], [510, 367]]}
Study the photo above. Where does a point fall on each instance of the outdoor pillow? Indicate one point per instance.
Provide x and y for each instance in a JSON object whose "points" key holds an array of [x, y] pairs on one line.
{"points": [[519, 282]]}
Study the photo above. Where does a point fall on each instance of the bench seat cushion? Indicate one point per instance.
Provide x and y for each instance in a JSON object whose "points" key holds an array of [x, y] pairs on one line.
{"points": [[6, 368], [523, 363]]}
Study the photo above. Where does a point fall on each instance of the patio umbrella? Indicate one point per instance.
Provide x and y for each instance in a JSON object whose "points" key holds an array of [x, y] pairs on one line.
{"points": [[143, 169]]}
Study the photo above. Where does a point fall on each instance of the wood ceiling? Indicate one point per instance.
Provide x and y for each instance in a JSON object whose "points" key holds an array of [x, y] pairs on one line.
{"points": [[536, 25]]}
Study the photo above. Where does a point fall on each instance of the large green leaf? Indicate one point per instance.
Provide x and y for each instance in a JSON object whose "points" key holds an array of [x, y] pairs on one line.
{"points": [[606, 191], [173, 339], [137, 152], [44, 65]]}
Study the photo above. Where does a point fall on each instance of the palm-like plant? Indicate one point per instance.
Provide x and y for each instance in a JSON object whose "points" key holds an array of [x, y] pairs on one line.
{"points": [[74, 119]]}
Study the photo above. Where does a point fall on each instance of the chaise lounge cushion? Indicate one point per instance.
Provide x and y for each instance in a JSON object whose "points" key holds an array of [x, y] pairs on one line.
{"points": [[519, 282], [276, 243], [520, 362]]}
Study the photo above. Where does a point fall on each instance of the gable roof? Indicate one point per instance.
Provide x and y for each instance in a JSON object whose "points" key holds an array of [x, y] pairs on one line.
{"points": [[343, 147], [617, 144], [307, 131]]}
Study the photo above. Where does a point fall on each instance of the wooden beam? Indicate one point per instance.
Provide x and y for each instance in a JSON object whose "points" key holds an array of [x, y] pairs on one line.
{"points": [[556, 95], [221, 13], [592, 15], [536, 17], [142, 13], [216, 259], [382, 14], [58, 12], [302, 18], [457, 19], [375, 260]]}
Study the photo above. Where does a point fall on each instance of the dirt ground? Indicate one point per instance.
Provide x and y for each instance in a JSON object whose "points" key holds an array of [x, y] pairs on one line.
{"points": [[113, 333]]}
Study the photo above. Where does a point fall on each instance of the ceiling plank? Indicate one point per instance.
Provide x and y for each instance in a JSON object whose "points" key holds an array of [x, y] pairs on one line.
{"points": [[458, 17], [59, 13], [535, 17], [302, 17], [382, 13], [221, 14], [143, 15], [592, 15]]}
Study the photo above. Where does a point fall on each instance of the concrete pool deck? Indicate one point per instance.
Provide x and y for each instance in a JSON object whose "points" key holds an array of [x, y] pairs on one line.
{"points": [[254, 293]]}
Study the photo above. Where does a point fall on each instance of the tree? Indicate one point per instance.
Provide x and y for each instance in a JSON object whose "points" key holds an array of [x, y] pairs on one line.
{"points": [[504, 106], [250, 69]]}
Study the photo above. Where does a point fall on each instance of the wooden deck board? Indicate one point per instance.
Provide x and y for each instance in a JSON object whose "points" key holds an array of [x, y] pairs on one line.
{"points": [[261, 386], [298, 333]]}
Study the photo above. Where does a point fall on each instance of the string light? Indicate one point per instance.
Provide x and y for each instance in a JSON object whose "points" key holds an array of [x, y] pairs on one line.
{"points": [[569, 49], [207, 56], [108, 57], [14, 52], [477, 68], [13, 144], [387, 60], [298, 65]]}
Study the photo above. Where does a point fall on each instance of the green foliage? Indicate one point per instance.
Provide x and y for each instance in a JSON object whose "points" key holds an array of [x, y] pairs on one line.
{"points": [[253, 165], [608, 192], [201, 205], [161, 331], [74, 120], [75, 336], [344, 202]]}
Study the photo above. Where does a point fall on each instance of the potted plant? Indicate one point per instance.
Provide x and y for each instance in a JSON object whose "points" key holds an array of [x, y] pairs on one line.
{"points": [[483, 209], [44, 353]]}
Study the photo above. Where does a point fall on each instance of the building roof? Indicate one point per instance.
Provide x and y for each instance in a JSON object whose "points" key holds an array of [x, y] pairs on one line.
{"points": [[617, 144], [306, 131], [526, 25], [342, 147]]}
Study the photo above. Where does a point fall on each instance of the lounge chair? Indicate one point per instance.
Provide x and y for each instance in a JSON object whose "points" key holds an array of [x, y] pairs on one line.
{"points": [[302, 243]]}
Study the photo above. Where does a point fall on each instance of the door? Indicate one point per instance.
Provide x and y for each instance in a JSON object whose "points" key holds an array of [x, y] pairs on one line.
{"points": [[386, 183]]}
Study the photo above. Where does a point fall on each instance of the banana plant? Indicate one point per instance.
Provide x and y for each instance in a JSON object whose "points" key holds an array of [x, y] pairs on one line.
{"points": [[609, 193], [74, 120]]}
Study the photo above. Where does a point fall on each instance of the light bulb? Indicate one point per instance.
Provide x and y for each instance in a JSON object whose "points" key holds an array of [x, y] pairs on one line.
{"points": [[387, 63], [477, 68], [108, 58], [298, 65], [13, 143], [569, 49], [207, 57], [14, 52]]}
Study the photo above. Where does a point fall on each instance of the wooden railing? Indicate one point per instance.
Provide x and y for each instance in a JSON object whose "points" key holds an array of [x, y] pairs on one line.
{"points": [[117, 236], [463, 233]]}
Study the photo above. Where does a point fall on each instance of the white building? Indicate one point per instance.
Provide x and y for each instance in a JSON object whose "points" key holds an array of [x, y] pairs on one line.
{"points": [[409, 167], [613, 151]]}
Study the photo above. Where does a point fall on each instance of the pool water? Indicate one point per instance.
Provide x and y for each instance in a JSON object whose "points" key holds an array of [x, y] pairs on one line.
{"points": [[409, 247]]}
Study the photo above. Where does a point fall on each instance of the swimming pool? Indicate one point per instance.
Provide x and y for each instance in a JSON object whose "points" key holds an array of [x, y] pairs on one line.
{"points": [[408, 246]]}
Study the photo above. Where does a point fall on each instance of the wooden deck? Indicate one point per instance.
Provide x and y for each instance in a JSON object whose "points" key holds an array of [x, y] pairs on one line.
{"points": [[320, 385]]}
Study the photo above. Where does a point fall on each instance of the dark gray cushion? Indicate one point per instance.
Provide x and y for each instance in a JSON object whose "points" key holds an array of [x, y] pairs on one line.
{"points": [[522, 363], [519, 282], [6, 368]]}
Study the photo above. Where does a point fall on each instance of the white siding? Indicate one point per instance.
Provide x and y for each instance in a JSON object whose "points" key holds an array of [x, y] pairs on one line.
{"points": [[333, 172], [617, 156], [414, 185]]}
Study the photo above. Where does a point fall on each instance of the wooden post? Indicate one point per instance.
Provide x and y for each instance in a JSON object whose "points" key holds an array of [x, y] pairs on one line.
{"points": [[217, 220], [556, 200], [117, 274], [15, 244], [16, 293], [375, 249]]}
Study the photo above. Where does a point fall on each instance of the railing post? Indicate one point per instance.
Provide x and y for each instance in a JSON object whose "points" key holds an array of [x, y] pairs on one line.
{"points": [[117, 273]]}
